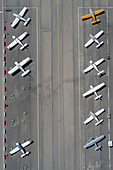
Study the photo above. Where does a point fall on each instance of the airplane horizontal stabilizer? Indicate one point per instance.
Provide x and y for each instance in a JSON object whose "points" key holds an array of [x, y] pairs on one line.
{"points": [[24, 46], [27, 22], [99, 44], [25, 73], [25, 154], [96, 21], [98, 97], [99, 122], [100, 73], [97, 148]]}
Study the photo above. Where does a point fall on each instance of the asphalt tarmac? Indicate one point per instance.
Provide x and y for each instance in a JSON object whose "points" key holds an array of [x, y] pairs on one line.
{"points": [[52, 94]]}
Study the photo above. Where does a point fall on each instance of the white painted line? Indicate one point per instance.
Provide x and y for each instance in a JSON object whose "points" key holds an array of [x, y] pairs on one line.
{"points": [[4, 148], [4, 80], [4, 131], [37, 94], [4, 97], [4, 51], [4, 166], [4, 63], [4, 114], [79, 98]]}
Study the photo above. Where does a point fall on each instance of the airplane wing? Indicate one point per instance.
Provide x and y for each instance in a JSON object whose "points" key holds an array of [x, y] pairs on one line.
{"points": [[88, 92], [22, 63], [98, 11], [99, 112], [99, 34], [98, 87], [89, 42], [14, 150], [86, 16], [94, 141], [22, 36], [22, 12], [26, 143], [88, 120], [14, 69], [15, 22], [99, 61], [12, 45], [88, 69]]}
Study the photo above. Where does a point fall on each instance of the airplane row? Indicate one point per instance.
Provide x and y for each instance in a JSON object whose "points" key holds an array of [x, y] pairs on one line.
{"points": [[20, 66], [94, 90], [17, 40]]}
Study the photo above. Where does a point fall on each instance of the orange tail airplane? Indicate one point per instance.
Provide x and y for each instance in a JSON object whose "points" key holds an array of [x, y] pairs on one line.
{"points": [[93, 15]]}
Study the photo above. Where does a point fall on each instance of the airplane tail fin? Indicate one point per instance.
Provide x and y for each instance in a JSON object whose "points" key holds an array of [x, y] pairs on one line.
{"points": [[27, 22], [25, 154], [100, 73], [98, 97], [99, 122], [97, 148], [99, 44], [24, 46], [25, 73], [96, 21]]}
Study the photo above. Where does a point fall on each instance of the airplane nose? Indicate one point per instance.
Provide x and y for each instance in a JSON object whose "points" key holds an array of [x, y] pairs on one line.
{"points": [[13, 37], [91, 62]]}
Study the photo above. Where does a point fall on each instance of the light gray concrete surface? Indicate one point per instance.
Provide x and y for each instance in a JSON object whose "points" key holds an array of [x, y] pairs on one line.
{"points": [[54, 103]]}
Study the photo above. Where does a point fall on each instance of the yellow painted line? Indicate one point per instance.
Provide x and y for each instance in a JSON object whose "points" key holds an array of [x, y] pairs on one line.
{"points": [[58, 77]]}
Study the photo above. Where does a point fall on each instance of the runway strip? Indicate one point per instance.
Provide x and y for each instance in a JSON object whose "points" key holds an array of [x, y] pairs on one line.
{"points": [[58, 77]]}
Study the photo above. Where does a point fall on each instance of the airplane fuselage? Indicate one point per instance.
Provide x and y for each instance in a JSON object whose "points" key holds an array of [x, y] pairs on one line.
{"points": [[94, 39], [17, 40], [94, 116], [20, 148], [94, 66], [94, 91], [92, 14], [19, 17], [19, 66]]}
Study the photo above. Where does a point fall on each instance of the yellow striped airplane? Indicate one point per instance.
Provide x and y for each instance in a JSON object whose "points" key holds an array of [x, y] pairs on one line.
{"points": [[93, 15]]}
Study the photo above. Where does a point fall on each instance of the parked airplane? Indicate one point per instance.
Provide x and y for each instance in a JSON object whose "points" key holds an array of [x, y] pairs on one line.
{"points": [[94, 142], [94, 65], [19, 66], [18, 41], [93, 90], [95, 116], [20, 17], [93, 15], [20, 147], [94, 39]]}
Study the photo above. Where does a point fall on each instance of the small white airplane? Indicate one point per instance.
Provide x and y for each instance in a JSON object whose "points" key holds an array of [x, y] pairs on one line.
{"points": [[19, 66], [20, 17], [93, 90], [20, 147], [94, 65], [94, 142], [18, 41], [95, 116], [94, 39]]}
